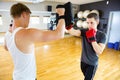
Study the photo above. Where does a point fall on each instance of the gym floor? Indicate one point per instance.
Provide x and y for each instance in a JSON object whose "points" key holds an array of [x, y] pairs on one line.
{"points": [[61, 59]]}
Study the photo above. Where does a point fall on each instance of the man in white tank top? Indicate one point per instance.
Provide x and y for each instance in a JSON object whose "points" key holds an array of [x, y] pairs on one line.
{"points": [[20, 43]]}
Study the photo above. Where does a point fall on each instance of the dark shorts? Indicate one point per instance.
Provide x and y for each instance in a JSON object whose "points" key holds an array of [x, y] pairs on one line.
{"points": [[88, 71]]}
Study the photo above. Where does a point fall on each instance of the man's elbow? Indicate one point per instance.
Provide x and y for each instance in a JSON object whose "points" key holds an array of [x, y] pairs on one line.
{"points": [[60, 37], [99, 52]]}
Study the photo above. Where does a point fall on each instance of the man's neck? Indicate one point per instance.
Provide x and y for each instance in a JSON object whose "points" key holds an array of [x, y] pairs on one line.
{"points": [[18, 23]]}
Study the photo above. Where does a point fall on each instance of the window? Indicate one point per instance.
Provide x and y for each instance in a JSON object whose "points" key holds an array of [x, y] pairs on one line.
{"points": [[46, 19], [1, 20], [34, 20]]}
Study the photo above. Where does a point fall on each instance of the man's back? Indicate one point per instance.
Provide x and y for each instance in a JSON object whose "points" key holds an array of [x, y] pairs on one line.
{"points": [[20, 42], [24, 63]]}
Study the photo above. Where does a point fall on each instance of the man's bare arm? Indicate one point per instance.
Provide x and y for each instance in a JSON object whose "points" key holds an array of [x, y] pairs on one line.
{"points": [[74, 32]]}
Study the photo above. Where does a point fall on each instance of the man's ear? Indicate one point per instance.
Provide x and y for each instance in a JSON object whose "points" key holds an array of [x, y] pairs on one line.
{"points": [[98, 22], [23, 14]]}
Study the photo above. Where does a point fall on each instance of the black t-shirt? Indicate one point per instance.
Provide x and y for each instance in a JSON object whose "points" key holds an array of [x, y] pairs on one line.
{"points": [[89, 56]]}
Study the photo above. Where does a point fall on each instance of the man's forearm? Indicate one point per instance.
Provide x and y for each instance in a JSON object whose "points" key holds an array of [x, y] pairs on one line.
{"points": [[74, 32], [60, 28], [98, 47]]}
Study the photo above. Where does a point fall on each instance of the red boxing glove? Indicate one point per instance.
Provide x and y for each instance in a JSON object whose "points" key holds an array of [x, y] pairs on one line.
{"points": [[90, 34]]}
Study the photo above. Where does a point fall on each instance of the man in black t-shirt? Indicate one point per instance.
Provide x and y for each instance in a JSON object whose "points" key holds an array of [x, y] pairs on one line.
{"points": [[93, 44]]}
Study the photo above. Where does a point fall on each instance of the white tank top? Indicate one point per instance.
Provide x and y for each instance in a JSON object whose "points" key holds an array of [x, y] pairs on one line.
{"points": [[24, 64]]}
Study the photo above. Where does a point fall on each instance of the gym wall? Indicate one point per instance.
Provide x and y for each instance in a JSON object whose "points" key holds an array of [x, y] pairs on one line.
{"points": [[103, 7], [38, 9], [104, 10]]}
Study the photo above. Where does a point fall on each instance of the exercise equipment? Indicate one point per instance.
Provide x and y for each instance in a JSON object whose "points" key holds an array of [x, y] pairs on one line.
{"points": [[85, 13], [69, 20], [79, 23], [84, 24], [95, 11], [80, 14]]}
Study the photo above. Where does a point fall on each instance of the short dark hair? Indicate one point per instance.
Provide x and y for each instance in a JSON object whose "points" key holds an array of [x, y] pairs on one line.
{"points": [[93, 15], [17, 9]]}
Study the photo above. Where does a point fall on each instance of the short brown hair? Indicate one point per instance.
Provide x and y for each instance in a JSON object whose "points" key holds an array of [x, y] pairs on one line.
{"points": [[17, 9], [93, 15]]}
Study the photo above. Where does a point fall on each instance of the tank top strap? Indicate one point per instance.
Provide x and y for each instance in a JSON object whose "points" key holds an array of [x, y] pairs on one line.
{"points": [[16, 30]]}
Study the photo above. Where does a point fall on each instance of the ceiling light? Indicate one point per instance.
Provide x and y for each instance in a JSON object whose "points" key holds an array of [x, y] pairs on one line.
{"points": [[31, 1], [107, 2]]}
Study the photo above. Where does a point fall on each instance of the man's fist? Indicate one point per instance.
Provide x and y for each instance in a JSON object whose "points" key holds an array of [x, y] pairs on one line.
{"points": [[69, 20], [60, 11]]}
